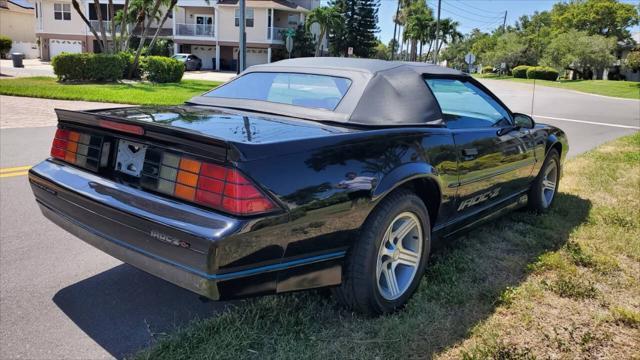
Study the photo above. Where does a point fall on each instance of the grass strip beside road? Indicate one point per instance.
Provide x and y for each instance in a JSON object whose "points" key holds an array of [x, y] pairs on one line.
{"points": [[562, 285], [138, 93], [621, 89]]}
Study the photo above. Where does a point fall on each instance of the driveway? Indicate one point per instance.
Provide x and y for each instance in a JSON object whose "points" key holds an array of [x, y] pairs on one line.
{"points": [[61, 298]]}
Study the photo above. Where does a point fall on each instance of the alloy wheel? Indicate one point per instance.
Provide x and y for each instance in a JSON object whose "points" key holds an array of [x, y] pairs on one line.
{"points": [[549, 183], [399, 255]]}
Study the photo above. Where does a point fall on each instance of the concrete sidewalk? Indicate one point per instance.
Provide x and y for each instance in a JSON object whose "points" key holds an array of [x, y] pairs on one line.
{"points": [[22, 112]]}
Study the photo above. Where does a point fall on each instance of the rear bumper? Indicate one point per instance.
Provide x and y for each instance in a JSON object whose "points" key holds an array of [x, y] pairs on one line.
{"points": [[208, 253], [174, 273]]}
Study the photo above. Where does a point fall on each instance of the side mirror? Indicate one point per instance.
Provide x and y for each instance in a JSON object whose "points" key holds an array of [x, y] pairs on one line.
{"points": [[523, 121]]}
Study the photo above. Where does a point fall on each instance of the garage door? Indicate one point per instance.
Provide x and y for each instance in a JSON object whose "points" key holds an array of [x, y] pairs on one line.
{"points": [[57, 46], [206, 53], [256, 56]]}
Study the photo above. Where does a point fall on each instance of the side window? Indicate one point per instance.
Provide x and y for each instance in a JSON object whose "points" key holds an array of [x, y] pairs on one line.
{"points": [[466, 106]]}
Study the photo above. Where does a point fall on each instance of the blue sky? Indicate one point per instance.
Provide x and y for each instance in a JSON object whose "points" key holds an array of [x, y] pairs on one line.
{"points": [[483, 14]]}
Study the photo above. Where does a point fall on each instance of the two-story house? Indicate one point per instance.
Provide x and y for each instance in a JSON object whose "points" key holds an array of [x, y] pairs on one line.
{"points": [[16, 22], [60, 29], [208, 29]]}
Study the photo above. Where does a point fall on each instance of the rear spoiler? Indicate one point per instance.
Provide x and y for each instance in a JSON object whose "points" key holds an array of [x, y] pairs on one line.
{"points": [[181, 139]]}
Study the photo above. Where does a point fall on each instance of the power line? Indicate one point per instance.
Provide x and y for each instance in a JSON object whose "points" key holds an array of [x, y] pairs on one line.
{"points": [[473, 7], [468, 18], [472, 13]]}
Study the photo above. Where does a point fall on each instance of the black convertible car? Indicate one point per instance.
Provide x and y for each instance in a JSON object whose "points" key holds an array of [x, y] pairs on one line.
{"points": [[299, 174]]}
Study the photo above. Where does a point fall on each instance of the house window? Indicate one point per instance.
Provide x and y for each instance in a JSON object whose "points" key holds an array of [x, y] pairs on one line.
{"points": [[293, 19], [248, 17], [62, 11]]}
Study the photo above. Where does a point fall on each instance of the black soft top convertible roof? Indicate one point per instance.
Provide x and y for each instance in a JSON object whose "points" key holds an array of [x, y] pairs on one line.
{"points": [[382, 93]]}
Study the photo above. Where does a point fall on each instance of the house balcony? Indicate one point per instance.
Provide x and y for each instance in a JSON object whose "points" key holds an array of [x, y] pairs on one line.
{"points": [[277, 34], [107, 26], [195, 30]]}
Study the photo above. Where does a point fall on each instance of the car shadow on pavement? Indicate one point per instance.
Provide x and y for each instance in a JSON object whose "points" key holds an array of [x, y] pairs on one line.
{"points": [[125, 309]]}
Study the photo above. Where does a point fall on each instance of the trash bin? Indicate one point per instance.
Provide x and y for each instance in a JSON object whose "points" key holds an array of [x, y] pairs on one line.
{"points": [[17, 59]]}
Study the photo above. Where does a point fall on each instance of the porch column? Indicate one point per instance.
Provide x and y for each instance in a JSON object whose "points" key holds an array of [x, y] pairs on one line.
{"points": [[269, 55], [173, 19], [217, 57], [273, 24], [176, 48]]}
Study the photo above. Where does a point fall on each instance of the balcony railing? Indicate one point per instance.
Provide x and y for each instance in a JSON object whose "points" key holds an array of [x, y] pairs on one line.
{"points": [[107, 26], [279, 33], [204, 30]]}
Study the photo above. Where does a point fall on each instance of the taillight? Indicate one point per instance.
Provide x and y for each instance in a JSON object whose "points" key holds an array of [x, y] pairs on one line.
{"points": [[77, 148], [203, 183]]}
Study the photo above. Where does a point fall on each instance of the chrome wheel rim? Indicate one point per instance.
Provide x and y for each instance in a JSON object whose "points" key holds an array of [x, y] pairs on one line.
{"points": [[399, 256], [549, 183]]}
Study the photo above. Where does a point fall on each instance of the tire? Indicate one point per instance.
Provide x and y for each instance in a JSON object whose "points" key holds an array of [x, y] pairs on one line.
{"points": [[545, 187], [368, 265], [199, 66]]}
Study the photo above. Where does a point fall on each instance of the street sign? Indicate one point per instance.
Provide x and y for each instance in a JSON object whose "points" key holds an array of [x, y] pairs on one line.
{"points": [[469, 58], [350, 51]]}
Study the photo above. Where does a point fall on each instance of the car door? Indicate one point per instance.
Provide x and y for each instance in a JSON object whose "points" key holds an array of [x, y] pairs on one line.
{"points": [[495, 158]]}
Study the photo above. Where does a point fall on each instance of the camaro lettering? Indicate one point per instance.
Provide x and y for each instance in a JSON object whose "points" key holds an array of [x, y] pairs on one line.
{"points": [[478, 199]]}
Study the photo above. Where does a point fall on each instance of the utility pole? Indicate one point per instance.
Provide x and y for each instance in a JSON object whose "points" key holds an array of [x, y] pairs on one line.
{"points": [[395, 28], [242, 51], [437, 32], [504, 22]]}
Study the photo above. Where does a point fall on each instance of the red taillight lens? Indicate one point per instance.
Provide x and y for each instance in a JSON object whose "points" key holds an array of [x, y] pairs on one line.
{"points": [[77, 148], [204, 183]]}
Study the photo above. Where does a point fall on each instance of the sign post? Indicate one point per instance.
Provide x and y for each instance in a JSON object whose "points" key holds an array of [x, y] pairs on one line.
{"points": [[288, 42], [350, 51], [469, 59]]}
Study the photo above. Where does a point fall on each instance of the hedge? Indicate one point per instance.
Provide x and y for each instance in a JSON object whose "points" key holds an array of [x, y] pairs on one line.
{"points": [[89, 67], [520, 71], [5, 45], [542, 73], [161, 69], [487, 69]]}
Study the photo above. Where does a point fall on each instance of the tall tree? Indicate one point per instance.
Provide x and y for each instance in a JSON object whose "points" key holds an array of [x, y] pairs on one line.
{"points": [[328, 19], [359, 19], [596, 17]]}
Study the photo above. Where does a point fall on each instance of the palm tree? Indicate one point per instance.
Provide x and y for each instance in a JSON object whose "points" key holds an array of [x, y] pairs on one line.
{"points": [[328, 19], [449, 33], [418, 25]]}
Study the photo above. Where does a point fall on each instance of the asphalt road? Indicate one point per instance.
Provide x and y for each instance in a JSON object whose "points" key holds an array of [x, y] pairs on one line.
{"points": [[61, 298]]}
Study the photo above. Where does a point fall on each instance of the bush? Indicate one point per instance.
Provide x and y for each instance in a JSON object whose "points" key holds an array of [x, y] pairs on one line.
{"points": [[161, 69], [633, 60], [542, 73], [487, 69], [520, 71], [5, 45], [89, 67]]}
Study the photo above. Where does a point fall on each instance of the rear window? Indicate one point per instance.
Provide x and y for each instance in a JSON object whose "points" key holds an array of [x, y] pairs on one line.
{"points": [[305, 90]]}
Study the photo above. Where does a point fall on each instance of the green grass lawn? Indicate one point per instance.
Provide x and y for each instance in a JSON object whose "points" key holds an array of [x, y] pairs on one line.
{"points": [[139, 93], [622, 89], [561, 285]]}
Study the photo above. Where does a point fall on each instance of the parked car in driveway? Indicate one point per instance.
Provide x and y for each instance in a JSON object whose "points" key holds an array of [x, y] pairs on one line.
{"points": [[191, 62], [305, 173]]}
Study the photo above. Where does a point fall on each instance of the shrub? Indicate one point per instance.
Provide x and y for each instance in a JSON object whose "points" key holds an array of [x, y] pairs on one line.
{"points": [[5, 45], [88, 67], [542, 73], [161, 69], [633, 61], [128, 60], [520, 71], [487, 69]]}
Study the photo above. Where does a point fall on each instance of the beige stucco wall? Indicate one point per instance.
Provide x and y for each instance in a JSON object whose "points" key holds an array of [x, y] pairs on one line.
{"points": [[229, 32], [75, 26], [18, 23]]}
